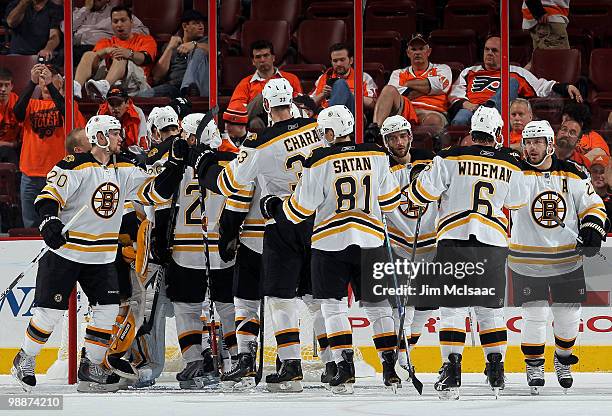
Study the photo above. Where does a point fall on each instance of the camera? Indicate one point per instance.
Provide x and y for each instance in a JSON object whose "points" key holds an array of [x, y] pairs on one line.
{"points": [[41, 60]]}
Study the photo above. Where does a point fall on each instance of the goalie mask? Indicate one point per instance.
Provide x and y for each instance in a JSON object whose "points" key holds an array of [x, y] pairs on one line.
{"points": [[487, 120], [276, 93], [395, 124], [210, 136], [101, 124], [337, 118], [540, 129]]}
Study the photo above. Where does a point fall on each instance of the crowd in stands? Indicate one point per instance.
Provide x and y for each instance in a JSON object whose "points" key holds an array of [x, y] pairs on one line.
{"points": [[421, 61]]}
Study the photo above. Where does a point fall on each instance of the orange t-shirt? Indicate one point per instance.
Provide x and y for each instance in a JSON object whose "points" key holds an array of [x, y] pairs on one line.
{"points": [[131, 123], [515, 137], [227, 146], [136, 42], [581, 159], [350, 80], [591, 141], [9, 125], [251, 86], [44, 137]]}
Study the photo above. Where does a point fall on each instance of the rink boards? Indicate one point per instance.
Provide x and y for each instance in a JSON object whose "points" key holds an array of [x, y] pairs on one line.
{"points": [[594, 344]]}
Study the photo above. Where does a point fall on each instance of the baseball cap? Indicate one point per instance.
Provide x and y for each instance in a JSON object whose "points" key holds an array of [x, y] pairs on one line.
{"points": [[116, 95], [191, 15], [418, 37], [602, 160], [236, 113]]}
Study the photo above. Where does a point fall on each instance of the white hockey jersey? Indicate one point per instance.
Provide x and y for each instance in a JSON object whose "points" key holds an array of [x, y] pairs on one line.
{"points": [[402, 221], [472, 184], [80, 180], [538, 245], [347, 186]]}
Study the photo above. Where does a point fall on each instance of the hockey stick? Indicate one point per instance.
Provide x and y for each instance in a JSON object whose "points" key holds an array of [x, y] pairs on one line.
{"points": [[262, 309], [42, 252], [575, 234], [401, 305], [470, 316]]}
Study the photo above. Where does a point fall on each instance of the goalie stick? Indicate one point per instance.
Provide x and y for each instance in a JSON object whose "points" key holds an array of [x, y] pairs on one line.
{"points": [[42, 252], [402, 305]]}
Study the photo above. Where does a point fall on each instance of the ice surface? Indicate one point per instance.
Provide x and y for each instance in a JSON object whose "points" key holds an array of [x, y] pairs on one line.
{"points": [[590, 396]]}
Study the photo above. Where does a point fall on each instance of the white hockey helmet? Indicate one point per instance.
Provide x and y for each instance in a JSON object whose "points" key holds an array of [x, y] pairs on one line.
{"points": [[165, 117], [101, 124], [277, 92], [296, 112], [539, 129], [488, 120], [338, 118], [210, 136]]}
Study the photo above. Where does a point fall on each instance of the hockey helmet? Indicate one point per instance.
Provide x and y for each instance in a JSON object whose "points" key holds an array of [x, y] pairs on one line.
{"points": [[488, 120], [338, 118], [210, 136], [151, 123], [277, 92], [539, 129], [101, 124], [165, 117]]}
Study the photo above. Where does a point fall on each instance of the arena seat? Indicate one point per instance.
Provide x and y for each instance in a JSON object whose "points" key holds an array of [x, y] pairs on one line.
{"points": [[314, 37], [396, 15], [377, 71], [162, 25], [276, 31], [233, 70], [450, 45], [287, 10], [516, 15], [456, 68], [307, 74], [548, 108], [8, 184], [333, 10], [599, 75], [561, 65], [591, 15], [20, 66], [479, 15], [520, 46], [384, 47]]}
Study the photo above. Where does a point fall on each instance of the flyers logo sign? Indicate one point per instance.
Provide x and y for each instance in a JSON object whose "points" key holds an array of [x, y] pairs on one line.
{"points": [[482, 83]]}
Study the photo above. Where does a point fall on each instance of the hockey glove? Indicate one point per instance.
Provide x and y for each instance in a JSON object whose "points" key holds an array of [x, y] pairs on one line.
{"points": [[179, 152], [51, 231], [201, 157], [269, 205], [591, 235], [227, 247]]}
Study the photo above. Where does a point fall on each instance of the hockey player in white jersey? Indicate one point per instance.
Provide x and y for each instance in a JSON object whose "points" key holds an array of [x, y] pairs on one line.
{"points": [[86, 253], [472, 185], [406, 163], [545, 259], [346, 186]]}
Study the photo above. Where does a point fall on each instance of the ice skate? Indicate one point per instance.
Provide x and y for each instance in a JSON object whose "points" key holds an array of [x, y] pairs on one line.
{"points": [[192, 377], [449, 380], [534, 368], [342, 382], [330, 371], [390, 377], [562, 368], [242, 376], [495, 372], [288, 379], [23, 370], [96, 378]]}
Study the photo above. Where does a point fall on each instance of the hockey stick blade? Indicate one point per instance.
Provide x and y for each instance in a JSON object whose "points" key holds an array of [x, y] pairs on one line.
{"points": [[41, 253]]}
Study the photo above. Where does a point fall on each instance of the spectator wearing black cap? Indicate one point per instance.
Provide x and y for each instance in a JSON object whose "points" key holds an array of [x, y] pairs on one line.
{"points": [[133, 121], [182, 68]]}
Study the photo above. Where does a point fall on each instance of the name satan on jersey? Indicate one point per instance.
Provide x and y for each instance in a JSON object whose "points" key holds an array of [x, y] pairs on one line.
{"points": [[80, 180], [538, 244], [402, 221], [472, 184], [347, 186]]}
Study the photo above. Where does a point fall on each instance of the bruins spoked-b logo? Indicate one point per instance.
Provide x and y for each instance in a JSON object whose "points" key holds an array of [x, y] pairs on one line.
{"points": [[105, 200], [545, 206], [407, 208]]}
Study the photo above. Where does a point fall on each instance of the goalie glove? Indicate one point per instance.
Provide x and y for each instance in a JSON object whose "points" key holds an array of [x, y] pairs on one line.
{"points": [[51, 231], [591, 235], [269, 205]]}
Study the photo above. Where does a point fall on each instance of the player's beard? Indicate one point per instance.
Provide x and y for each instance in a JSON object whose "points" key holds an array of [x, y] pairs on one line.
{"points": [[399, 154]]}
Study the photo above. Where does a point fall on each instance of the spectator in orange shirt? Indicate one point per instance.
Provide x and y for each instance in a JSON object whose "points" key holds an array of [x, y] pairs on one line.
{"points": [[337, 85], [127, 56], [567, 141], [520, 115], [601, 178], [133, 121], [10, 127], [236, 119], [417, 92], [43, 134], [591, 143], [248, 90]]}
